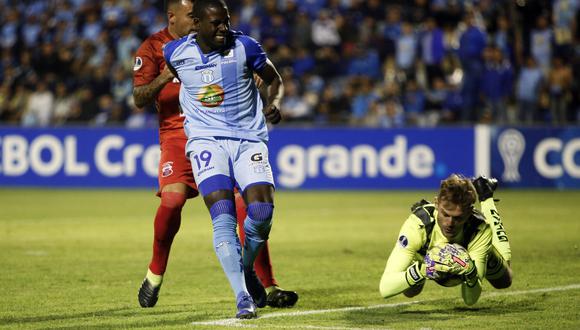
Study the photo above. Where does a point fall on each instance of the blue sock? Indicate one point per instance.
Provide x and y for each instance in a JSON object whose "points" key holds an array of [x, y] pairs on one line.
{"points": [[257, 228], [227, 245]]}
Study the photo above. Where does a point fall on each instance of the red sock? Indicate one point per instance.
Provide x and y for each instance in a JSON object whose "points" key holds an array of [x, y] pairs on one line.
{"points": [[166, 225], [262, 264]]}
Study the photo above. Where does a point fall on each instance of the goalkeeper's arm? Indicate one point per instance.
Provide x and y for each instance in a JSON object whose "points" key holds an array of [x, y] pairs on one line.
{"points": [[395, 282], [478, 249], [402, 270]]}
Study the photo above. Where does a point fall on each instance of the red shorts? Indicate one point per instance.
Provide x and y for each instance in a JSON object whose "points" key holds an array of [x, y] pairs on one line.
{"points": [[174, 167]]}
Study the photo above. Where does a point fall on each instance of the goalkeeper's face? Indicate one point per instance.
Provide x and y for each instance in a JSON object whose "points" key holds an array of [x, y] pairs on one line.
{"points": [[450, 218]]}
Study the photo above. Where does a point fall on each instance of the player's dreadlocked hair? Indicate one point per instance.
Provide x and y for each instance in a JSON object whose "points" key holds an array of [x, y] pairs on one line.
{"points": [[458, 190], [168, 3], [202, 5]]}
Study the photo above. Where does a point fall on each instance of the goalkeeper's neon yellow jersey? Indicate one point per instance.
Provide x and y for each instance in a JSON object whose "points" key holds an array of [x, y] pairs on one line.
{"points": [[413, 242]]}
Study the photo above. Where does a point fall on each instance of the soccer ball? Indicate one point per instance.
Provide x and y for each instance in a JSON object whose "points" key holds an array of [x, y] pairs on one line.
{"points": [[443, 254]]}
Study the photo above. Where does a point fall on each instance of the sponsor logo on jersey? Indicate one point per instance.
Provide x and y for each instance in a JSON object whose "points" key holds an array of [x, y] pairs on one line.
{"points": [[257, 157], [201, 67], [403, 241], [166, 169], [211, 96], [138, 63]]}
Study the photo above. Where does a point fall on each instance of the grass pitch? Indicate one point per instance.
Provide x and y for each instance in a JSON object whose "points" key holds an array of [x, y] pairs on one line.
{"points": [[74, 259]]}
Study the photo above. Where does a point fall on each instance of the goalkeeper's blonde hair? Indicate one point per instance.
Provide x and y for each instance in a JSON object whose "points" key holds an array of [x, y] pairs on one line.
{"points": [[458, 190]]}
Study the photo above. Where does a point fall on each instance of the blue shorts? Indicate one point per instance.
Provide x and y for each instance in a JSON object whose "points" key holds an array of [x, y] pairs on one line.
{"points": [[224, 163]]}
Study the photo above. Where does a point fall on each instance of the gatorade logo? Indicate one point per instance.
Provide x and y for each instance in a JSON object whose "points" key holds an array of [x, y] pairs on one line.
{"points": [[211, 96]]}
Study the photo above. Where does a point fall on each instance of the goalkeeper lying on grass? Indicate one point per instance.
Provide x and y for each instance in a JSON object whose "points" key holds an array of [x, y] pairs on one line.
{"points": [[451, 243]]}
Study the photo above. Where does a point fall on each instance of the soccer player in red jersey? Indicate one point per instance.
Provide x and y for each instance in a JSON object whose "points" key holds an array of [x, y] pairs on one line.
{"points": [[153, 82]]}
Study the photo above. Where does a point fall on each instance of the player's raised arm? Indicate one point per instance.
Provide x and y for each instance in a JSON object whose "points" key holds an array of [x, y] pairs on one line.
{"points": [[275, 92]]}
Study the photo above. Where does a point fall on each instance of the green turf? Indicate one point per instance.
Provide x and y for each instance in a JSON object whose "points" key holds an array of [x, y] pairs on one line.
{"points": [[74, 259]]}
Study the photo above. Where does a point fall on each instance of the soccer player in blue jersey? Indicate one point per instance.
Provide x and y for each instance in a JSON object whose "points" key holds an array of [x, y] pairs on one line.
{"points": [[225, 123]]}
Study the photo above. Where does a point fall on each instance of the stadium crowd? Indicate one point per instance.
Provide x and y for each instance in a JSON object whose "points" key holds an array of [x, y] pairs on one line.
{"points": [[344, 62]]}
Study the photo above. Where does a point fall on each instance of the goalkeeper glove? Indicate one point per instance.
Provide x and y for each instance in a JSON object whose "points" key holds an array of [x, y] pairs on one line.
{"points": [[415, 273], [450, 259], [458, 262], [485, 187]]}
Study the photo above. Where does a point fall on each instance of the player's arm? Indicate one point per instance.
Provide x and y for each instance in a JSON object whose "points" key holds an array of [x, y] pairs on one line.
{"points": [[145, 94], [147, 80], [499, 238], [402, 270], [275, 91], [478, 249]]}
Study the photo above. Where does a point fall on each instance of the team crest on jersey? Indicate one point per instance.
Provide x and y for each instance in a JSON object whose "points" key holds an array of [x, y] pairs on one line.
{"points": [[403, 241], [138, 63], [211, 96], [166, 169], [207, 76]]}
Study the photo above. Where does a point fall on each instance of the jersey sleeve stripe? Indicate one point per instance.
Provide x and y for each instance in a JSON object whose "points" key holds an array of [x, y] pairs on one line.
{"points": [[170, 47]]}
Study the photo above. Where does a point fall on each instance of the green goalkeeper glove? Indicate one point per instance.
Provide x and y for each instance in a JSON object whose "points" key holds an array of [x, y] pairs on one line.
{"points": [[415, 273]]}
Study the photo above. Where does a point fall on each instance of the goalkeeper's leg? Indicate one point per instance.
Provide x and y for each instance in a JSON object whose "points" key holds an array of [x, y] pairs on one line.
{"points": [[499, 273]]}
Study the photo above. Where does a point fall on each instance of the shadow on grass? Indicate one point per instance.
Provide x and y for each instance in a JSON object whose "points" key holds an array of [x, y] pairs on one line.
{"points": [[436, 310], [166, 315]]}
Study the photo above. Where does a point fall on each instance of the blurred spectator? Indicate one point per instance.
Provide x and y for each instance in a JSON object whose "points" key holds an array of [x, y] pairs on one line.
{"points": [[9, 31], [471, 45], [406, 50], [541, 44], [432, 49], [413, 102], [333, 107], [325, 31], [564, 17], [294, 106], [139, 118], [301, 34], [127, 44], [453, 105], [529, 83], [63, 104], [436, 97], [391, 29], [365, 62], [560, 86], [503, 37], [385, 113], [92, 27], [496, 86], [303, 62], [38, 109], [362, 101]]}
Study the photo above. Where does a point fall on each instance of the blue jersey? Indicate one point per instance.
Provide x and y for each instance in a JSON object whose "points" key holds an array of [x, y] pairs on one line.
{"points": [[218, 95]]}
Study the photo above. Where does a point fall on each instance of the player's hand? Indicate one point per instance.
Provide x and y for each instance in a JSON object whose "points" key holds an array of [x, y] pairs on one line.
{"points": [[449, 258], [272, 114], [166, 74], [485, 187], [259, 82]]}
